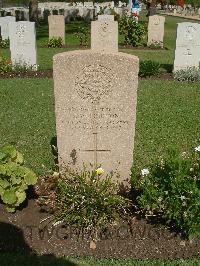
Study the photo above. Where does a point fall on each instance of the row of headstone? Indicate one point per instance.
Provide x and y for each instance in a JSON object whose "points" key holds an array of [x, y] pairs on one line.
{"points": [[19, 13], [95, 100], [85, 13]]}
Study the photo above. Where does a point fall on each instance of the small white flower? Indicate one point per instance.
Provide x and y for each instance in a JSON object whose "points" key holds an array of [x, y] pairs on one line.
{"points": [[160, 199], [55, 174], [182, 198], [58, 222], [197, 149], [145, 171]]}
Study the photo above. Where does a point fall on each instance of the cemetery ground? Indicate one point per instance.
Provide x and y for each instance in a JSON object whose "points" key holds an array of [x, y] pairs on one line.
{"points": [[167, 115]]}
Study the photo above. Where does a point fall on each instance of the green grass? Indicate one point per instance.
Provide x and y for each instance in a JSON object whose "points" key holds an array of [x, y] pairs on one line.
{"points": [[167, 114], [17, 259]]}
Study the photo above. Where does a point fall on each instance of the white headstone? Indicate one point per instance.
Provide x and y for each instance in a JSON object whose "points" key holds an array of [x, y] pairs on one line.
{"points": [[156, 30], [104, 36], [106, 17], [4, 21], [23, 44], [187, 53], [95, 101]]}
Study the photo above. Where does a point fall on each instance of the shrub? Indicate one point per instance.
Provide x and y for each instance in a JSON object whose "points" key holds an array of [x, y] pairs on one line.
{"points": [[5, 65], [4, 43], [14, 178], [149, 68], [86, 201], [134, 32], [55, 42], [170, 189], [83, 35], [191, 74]]}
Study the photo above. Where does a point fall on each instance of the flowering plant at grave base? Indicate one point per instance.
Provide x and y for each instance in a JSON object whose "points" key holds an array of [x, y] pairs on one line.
{"points": [[171, 191], [190, 74], [4, 43], [55, 42], [99, 171], [5, 65], [85, 200]]}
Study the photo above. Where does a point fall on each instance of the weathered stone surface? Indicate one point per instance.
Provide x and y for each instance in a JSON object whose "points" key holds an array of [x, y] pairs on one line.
{"points": [[187, 53], [188, 34], [23, 43], [4, 21], [95, 101], [156, 30], [104, 36], [106, 17], [57, 26]]}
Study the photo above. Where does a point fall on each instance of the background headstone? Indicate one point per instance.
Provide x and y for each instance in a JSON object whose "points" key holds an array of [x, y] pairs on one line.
{"points": [[23, 44], [4, 21], [187, 53], [104, 36], [106, 17], [57, 26], [95, 101], [156, 30]]}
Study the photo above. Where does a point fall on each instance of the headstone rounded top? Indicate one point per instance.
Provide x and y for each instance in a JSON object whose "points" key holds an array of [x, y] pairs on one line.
{"points": [[90, 53]]}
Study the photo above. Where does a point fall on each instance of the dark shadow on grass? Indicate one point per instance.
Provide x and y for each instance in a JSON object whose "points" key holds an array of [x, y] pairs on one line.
{"points": [[167, 67], [15, 251]]}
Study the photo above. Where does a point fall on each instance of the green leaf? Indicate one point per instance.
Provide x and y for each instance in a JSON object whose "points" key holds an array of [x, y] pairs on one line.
{"points": [[21, 196], [19, 158], [15, 180], [9, 196], [4, 183], [2, 156], [2, 169], [10, 209], [30, 178], [9, 150]]}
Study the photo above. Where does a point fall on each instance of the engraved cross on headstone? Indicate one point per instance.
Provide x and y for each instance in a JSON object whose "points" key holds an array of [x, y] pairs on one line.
{"points": [[95, 149]]}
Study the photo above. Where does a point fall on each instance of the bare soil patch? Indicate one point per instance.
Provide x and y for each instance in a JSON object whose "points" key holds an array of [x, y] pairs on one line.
{"points": [[24, 232]]}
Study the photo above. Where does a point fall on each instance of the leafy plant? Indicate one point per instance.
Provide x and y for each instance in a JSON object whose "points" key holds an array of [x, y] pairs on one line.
{"points": [[85, 200], [133, 31], [156, 45], [83, 35], [5, 65], [4, 43], [55, 42], [14, 178], [171, 189], [149, 68], [191, 74]]}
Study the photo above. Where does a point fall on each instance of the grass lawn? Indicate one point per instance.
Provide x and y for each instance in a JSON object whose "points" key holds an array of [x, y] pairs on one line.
{"points": [[16, 259], [167, 114]]}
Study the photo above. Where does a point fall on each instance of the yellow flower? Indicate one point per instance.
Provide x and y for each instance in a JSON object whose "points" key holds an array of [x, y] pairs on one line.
{"points": [[99, 171]]}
